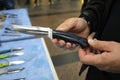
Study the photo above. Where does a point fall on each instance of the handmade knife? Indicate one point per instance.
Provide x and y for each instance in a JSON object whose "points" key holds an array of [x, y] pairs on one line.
{"points": [[11, 50], [19, 79], [11, 55], [5, 64], [48, 32], [13, 70]]}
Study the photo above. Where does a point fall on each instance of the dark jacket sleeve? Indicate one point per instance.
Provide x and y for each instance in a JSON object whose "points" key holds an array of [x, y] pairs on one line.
{"points": [[93, 12]]}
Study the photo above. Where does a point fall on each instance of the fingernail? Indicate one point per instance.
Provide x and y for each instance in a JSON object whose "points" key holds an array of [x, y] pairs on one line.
{"points": [[90, 40]]}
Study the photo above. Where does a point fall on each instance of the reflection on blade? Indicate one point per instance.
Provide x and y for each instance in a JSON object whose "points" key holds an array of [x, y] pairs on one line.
{"points": [[17, 54], [41, 31], [16, 62]]}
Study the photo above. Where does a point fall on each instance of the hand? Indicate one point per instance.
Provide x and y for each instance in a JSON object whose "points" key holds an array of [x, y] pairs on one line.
{"points": [[77, 26], [108, 58]]}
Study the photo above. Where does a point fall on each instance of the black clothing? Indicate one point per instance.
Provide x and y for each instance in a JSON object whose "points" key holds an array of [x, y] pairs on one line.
{"points": [[112, 27], [97, 13], [85, 3], [104, 17]]}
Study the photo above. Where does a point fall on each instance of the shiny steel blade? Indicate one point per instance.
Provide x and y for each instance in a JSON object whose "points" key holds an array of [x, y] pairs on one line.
{"points": [[17, 54], [31, 30], [6, 71], [16, 62], [19, 79], [14, 70], [35, 30], [17, 49]]}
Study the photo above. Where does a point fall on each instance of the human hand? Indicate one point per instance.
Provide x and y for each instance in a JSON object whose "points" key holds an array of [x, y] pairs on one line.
{"points": [[77, 26], [108, 58]]}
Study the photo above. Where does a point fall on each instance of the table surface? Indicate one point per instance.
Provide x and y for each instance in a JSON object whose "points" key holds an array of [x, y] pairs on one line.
{"points": [[38, 64], [21, 18]]}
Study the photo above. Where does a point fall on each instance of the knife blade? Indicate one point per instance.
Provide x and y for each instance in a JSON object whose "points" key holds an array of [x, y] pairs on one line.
{"points": [[7, 71], [19, 79], [48, 32]]}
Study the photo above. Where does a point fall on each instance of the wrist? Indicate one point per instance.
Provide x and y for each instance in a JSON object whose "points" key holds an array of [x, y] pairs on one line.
{"points": [[88, 22]]}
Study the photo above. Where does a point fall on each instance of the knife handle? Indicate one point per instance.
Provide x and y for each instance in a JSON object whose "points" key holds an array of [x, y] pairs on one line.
{"points": [[5, 56], [70, 37], [3, 71], [4, 64], [5, 51]]}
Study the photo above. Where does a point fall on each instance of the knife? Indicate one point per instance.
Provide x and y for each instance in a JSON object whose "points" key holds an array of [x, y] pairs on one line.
{"points": [[48, 32], [10, 63], [10, 55], [7, 71], [19, 79], [11, 50]]}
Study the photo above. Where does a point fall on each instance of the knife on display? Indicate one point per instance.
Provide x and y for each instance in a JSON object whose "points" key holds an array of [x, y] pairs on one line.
{"points": [[11, 50], [5, 64], [48, 32], [8, 71], [10, 55], [19, 79]]}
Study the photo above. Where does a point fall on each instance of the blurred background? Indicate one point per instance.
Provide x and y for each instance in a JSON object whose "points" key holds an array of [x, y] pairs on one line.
{"points": [[51, 13]]}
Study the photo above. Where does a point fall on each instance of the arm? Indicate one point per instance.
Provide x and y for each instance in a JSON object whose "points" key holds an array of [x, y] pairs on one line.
{"points": [[93, 12]]}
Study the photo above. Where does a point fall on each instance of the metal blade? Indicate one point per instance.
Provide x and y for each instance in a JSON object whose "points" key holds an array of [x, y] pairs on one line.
{"points": [[16, 62], [35, 30], [17, 54], [15, 70], [31, 30], [19, 79], [6, 71], [17, 49]]}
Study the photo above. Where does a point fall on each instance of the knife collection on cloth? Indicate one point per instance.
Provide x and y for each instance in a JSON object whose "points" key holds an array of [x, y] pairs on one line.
{"points": [[8, 53]]}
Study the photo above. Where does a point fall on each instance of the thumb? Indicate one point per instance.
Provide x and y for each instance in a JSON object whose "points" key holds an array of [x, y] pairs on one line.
{"points": [[100, 45], [62, 28], [91, 35]]}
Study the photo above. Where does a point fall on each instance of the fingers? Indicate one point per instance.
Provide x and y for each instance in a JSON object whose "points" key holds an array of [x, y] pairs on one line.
{"points": [[66, 25], [101, 61], [63, 44], [90, 58], [73, 25], [100, 45], [59, 43], [91, 35], [63, 27]]}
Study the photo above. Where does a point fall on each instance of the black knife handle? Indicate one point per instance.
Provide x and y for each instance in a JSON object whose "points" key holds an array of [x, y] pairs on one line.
{"points": [[70, 37]]}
